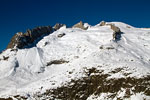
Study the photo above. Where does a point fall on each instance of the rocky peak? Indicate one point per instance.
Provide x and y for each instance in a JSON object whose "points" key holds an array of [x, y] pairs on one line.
{"points": [[58, 26], [102, 23], [80, 25], [20, 40]]}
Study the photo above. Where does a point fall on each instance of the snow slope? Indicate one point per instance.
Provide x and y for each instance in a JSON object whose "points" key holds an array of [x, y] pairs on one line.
{"points": [[32, 70]]}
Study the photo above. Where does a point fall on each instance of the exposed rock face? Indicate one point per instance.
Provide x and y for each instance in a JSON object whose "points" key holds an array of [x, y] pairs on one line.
{"points": [[58, 26], [21, 40], [102, 23], [91, 83], [115, 28], [14, 40], [117, 32], [80, 25]]}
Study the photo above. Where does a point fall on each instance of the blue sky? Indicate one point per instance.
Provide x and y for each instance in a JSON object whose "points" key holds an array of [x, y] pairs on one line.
{"points": [[19, 15]]}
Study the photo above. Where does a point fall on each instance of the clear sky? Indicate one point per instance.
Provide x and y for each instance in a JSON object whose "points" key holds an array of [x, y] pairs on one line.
{"points": [[19, 15]]}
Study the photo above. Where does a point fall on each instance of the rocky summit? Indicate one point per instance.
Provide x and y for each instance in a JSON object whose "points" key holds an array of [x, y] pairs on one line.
{"points": [[107, 61], [21, 40], [80, 25]]}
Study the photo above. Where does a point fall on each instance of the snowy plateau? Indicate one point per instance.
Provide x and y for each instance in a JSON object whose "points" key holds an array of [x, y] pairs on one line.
{"points": [[80, 64]]}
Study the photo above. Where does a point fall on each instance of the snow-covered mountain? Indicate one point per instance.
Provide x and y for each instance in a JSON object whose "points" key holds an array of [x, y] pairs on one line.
{"points": [[108, 61]]}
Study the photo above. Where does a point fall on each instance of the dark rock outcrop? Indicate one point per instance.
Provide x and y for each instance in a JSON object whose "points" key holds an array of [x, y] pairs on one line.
{"points": [[21, 40], [117, 32], [96, 82], [61, 35], [14, 41], [61, 61], [80, 25]]}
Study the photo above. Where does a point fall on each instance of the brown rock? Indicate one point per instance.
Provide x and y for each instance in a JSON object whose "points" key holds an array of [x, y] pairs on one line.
{"points": [[115, 28], [58, 26], [14, 40], [80, 25], [21, 40], [102, 23]]}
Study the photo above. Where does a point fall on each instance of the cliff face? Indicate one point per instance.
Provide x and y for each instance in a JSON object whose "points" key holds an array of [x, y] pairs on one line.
{"points": [[21, 40]]}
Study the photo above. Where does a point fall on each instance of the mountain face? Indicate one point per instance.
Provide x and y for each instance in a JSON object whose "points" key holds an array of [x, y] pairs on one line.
{"points": [[108, 61]]}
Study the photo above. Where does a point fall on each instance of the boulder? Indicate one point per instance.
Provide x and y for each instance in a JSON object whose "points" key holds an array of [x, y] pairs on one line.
{"points": [[61, 35]]}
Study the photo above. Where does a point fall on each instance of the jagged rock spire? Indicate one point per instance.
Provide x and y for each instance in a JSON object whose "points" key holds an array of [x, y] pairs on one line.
{"points": [[21, 40]]}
